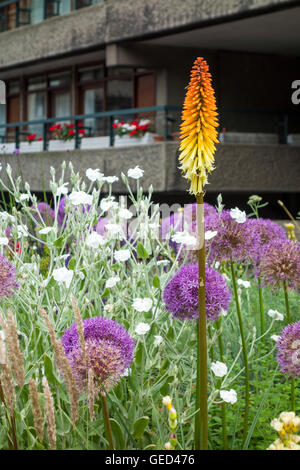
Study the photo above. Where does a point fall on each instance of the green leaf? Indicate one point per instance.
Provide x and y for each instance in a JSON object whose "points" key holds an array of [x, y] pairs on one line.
{"points": [[117, 434], [48, 365], [139, 354], [141, 252], [156, 282], [140, 426], [59, 242], [72, 263]]}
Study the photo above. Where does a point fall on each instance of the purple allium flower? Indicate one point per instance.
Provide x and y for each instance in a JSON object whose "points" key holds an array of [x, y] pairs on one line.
{"points": [[280, 261], [181, 293], [109, 351], [233, 239], [8, 282], [266, 231], [288, 347], [45, 211]]}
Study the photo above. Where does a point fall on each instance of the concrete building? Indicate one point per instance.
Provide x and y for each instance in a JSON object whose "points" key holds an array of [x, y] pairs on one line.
{"points": [[67, 58]]}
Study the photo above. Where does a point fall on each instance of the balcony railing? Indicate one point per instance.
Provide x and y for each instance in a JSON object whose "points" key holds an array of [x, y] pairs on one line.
{"points": [[278, 127], [16, 13], [161, 116]]}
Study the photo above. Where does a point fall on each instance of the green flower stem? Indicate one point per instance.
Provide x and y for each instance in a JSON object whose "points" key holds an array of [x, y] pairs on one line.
{"points": [[288, 319], [223, 406], [261, 309], [210, 334], [244, 347], [107, 422], [201, 420]]}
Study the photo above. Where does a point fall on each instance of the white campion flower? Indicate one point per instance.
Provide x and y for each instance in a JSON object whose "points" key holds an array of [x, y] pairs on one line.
{"points": [[184, 238], [62, 190], [112, 281], [46, 230], [142, 305], [4, 241], [229, 396], [238, 215], [63, 276], [157, 340], [110, 179], [24, 197], [209, 234], [108, 203], [94, 240], [163, 262], [219, 368], [245, 284], [135, 173], [275, 315], [142, 328], [5, 216], [125, 214], [224, 313], [114, 231], [227, 278], [22, 231], [275, 338], [80, 197], [122, 255], [94, 175]]}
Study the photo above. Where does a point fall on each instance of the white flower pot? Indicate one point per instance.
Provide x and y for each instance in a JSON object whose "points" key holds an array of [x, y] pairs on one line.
{"points": [[127, 141], [89, 143], [293, 139], [248, 138], [61, 145], [33, 147], [7, 148]]}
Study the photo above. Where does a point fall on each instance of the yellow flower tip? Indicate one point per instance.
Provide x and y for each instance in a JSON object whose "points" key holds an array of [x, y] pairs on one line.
{"points": [[199, 128]]}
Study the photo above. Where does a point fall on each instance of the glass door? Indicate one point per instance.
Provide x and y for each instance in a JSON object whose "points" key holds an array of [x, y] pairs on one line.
{"points": [[93, 102]]}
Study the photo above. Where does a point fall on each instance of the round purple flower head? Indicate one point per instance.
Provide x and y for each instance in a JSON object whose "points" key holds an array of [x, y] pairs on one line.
{"points": [[8, 282], [288, 346], [280, 261], [181, 293], [266, 231], [108, 350], [44, 211], [233, 240]]}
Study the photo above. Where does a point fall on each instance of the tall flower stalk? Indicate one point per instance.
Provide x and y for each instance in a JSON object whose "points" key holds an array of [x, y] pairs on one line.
{"points": [[244, 347], [198, 137], [288, 319]]}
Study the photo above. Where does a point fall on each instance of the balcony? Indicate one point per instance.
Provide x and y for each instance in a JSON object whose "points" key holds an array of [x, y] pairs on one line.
{"points": [[245, 161]]}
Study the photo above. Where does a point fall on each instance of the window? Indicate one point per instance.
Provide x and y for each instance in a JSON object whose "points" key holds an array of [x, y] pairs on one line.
{"points": [[119, 94], [86, 3], [36, 105]]}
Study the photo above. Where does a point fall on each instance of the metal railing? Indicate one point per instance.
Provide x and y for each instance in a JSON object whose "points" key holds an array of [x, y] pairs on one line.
{"points": [[278, 123], [18, 127]]}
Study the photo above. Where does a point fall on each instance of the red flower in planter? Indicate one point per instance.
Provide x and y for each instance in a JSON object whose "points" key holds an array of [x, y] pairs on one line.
{"points": [[133, 132], [71, 133], [81, 132], [31, 137]]}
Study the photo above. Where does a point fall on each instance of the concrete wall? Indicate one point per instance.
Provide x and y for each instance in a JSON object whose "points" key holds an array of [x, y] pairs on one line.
{"points": [[114, 21], [238, 167]]}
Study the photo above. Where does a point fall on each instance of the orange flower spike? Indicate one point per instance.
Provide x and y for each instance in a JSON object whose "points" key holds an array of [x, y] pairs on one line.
{"points": [[198, 129]]}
